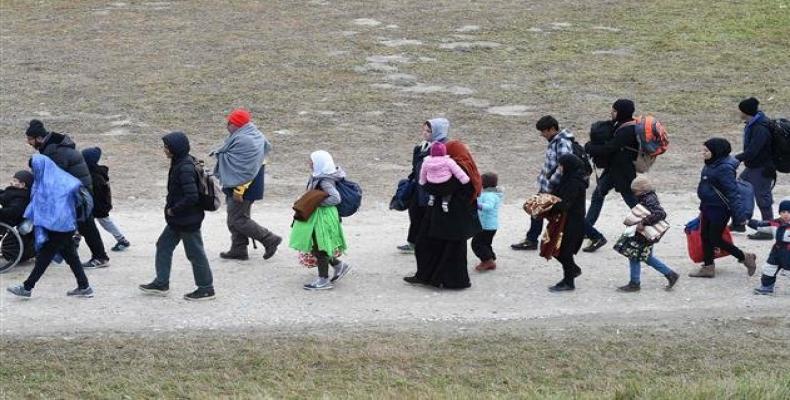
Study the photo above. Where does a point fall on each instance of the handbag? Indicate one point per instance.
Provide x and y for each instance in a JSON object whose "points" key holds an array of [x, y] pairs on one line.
{"points": [[306, 205], [633, 246], [540, 203], [694, 241]]}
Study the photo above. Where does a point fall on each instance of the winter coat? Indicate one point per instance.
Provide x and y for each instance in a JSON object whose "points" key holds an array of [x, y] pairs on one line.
{"points": [[440, 170], [720, 175], [560, 144], [63, 151], [756, 143], [650, 201], [461, 220], [328, 183], [102, 195], [621, 152], [14, 201], [488, 208], [572, 189], [182, 186]]}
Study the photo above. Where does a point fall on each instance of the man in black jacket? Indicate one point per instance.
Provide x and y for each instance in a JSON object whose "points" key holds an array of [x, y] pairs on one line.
{"points": [[15, 198], [184, 216], [756, 157], [62, 150], [620, 171]]}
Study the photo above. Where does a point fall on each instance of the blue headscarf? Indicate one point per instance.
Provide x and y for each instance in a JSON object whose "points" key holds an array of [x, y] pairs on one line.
{"points": [[53, 199], [440, 129]]}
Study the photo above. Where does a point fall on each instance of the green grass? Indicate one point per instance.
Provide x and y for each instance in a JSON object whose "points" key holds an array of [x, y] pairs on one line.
{"points": [[703, 361]]}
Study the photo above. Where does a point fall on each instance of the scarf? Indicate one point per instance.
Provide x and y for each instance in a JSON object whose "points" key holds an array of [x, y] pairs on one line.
{"points": [[459, 152]]}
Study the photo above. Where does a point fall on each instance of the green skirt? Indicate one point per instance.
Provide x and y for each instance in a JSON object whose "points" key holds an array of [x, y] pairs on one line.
{"points": [[325, 223]]}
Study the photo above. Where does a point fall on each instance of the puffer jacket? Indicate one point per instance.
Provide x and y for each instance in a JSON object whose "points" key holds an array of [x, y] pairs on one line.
{"points": [[650, 201], [63, 151], [720, 175], [182, 186]]}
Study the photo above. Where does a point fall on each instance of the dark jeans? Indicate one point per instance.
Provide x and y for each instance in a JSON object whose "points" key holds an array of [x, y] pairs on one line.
{"points": [[762, 191], [603, 187], [713, 225], [535, 229], [242, 227], [59, 242], [416, 213], [569, 269], [481, 245], [92, 237], [193, 246]]}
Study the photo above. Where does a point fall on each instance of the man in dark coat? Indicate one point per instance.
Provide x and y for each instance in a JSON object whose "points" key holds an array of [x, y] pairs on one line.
{"points": [[62, 150], [621, 152], [756, 157], [15, 198]]}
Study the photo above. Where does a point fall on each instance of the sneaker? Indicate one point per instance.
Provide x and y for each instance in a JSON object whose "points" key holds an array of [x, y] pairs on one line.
{"points": [[525, 245], [750, 261], [319, 284], [155, 289], [672, 277], [562, 286], [122, 245], [270, 250], [763, 290], [200, 294], [87, 292], [229, 255], [595, 244], [445, 207], [96, 263], [340, 271], [19, 290], [631, 287], [737, 228], [407, 248], [761, 236]]}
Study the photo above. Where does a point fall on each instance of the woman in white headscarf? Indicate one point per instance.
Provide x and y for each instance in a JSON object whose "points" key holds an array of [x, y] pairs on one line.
{"points": [[320, 240]]}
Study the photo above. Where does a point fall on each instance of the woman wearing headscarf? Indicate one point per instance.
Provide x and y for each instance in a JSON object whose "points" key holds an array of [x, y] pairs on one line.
{"points": [[572, 191], [434, 130], [53, 213], [719, 198], [441, 243]]}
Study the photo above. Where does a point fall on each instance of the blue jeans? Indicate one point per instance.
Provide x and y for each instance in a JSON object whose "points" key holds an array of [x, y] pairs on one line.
{"points": [[193, 246], [762, 191], [636, 267], [602, 188]]}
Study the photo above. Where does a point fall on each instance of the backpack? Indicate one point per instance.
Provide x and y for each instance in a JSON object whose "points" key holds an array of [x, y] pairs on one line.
{"points": [[209, 188], [350, 197], [780, 144], [578, 151], [653, 141]]}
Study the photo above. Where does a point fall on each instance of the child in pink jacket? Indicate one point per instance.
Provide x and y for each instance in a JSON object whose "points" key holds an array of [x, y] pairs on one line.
{"points": [[437, 172]]}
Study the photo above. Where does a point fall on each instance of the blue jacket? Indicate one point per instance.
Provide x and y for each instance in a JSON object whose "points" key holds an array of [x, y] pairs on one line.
{"points": [[488, 208], [721, 176], [255, 191], [756, 143]]}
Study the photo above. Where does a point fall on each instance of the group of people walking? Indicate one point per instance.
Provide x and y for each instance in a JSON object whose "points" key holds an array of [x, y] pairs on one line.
{"points": [[448, 200]]}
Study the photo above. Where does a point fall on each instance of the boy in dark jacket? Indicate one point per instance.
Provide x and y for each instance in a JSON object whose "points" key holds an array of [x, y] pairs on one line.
{"points": [[184, 216], [15, 198], [780, 252], [102, 197]]}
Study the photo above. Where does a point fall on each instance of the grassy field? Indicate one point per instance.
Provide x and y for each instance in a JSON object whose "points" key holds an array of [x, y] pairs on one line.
{"points": [[738, 359]]}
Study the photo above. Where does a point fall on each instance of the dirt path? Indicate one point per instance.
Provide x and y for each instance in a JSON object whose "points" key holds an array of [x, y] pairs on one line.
{"points": [[268, 295]]}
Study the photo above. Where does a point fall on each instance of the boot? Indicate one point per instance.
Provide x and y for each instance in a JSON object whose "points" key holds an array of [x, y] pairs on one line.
{"points": [[705, 271], [672, 278], [750, 262], [630, 287]]}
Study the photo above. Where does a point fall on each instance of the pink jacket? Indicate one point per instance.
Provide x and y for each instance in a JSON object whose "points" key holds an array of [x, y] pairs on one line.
{"points": [[440, 170]]}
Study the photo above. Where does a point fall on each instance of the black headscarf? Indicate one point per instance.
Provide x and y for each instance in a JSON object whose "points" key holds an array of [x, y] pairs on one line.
{"points": [[572, 169], [719, 147]]}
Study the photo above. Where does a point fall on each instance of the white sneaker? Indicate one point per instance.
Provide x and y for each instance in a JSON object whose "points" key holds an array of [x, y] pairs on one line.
{"points": [[340, 271], [319, 284]]}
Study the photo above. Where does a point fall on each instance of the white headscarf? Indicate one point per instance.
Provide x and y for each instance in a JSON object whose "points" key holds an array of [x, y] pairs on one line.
{"points": [[323, 164]]}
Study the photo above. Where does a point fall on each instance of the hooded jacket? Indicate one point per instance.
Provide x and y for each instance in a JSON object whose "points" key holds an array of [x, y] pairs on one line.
{"points": [[756, 143], [488, 208], [100, 175], [13, 201], [718, 187], [63, 151], [182, 186]]}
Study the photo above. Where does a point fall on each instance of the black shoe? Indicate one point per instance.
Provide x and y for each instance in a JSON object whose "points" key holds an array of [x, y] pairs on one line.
{"points": [[153, 288], [271, 249], [562, 286], [738, 228], [413, 280], [525, 245], [761, 236], [229, 255], [200, 294], [595, 245], [672, 277], [630, 288]]}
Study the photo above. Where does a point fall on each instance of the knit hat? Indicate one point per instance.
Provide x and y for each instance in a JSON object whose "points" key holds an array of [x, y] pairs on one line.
{"points": [[749, 106], [438, 149], [784, 206], [642, 184], [25, 177], [625, 109], [239, 117], [92, 155], [36, 129]]}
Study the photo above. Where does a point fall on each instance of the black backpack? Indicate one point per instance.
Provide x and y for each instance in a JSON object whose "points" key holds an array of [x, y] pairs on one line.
{"points": [[780, 144], [578, 151]]}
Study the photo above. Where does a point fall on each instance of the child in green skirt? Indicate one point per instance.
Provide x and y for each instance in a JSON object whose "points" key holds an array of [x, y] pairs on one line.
{"points": [[321, 238]]}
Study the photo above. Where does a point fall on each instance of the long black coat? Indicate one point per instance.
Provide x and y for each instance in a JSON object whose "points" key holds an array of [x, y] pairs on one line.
{"points": [[460, 222], [572, 189], [63, 151], [621, 152]]}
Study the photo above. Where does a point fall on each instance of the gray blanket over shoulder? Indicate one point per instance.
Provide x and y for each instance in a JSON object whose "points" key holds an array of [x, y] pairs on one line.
{"points": [[241, 155]]}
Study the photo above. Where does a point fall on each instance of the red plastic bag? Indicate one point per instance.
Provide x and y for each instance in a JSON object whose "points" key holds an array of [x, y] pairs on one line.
{"points": [[694, 241]]}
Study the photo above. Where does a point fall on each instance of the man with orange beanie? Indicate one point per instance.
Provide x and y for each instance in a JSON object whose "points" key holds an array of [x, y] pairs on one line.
{"points": [[240, 169]]}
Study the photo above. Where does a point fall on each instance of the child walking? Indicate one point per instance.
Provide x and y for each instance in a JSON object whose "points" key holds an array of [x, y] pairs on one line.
{"points": [[320, 238], [436, 173], [646, 195], [102, 196], [779, 258], [488, 210]]}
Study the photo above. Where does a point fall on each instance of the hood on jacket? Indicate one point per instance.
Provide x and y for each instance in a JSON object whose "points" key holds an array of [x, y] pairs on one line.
{"points": [[572, 168], [440, 129], [177, 143], [625, 110], [719, 148], [58, 139], [92, 155]]}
